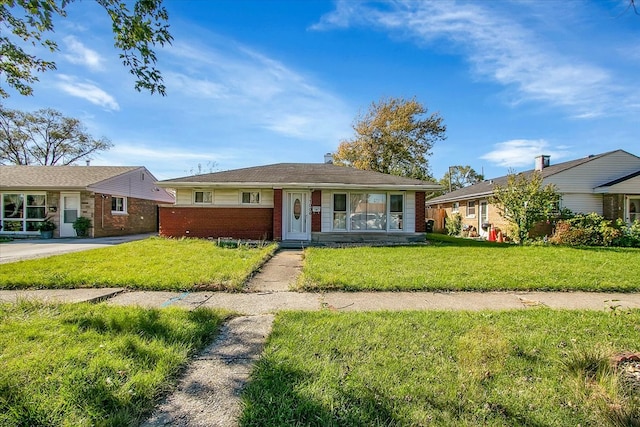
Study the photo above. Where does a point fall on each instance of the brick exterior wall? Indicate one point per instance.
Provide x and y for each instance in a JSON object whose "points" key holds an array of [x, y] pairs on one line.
{"points": [[316, 218], [141, 217], [214, 222], [421, 225], [277, 214], [613, 206]]}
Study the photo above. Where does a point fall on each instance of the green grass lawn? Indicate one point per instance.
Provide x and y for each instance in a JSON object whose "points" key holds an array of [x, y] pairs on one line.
{"points": [[468, 265], [86, 365], [150, 264], [537, 367]]}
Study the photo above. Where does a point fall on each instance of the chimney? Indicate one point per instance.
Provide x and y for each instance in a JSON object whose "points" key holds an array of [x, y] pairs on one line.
{"points": [[542, 161], [88, 162], [328, 158]]}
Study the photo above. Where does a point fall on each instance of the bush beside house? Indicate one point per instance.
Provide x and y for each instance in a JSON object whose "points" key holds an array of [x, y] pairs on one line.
{"points": [[594, 230]]}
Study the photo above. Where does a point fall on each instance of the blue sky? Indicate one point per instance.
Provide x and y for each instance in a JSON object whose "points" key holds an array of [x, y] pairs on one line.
{"points": [[259, 82]]}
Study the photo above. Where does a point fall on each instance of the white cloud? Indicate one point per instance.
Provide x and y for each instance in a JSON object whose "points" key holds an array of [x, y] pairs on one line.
{"points": [[87, 90], [164, 161], [78, 53], [235, 81], [501, 46], [522, 152]]}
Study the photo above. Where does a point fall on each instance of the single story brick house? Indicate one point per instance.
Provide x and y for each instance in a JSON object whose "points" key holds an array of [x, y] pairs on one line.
{"points": [[119, 200], [296, 202], [607, 184]]}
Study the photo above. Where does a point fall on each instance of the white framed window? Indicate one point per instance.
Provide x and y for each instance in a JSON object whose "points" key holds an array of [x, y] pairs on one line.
{"points": [[633, 209], [202, 197], [250, 197], [362, 211], [368, 211], [340, 211], [455, 208], [396, 211], [118, 205], [22, 211], [471, 208]]}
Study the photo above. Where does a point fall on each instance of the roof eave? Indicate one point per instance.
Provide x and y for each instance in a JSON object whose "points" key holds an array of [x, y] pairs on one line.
{"points": [[459, 198], [40, 188], [306, 185]]}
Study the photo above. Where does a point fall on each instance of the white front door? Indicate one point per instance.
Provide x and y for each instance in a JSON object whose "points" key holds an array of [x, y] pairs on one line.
{"points": [[69, 211], [297, 220]]}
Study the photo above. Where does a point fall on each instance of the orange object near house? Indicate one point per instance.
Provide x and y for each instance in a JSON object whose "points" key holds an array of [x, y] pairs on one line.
{"points": [[492, 234]]}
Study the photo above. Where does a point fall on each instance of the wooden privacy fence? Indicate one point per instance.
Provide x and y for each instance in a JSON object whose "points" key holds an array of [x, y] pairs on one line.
{"points": [[438, 216]]}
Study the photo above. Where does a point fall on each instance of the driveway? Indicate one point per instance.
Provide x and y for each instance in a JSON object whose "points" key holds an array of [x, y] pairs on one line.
{"points": [[18, 250]]}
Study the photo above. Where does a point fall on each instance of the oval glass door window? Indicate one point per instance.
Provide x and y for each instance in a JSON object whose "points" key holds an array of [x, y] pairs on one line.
{"points": [[297, 209]]}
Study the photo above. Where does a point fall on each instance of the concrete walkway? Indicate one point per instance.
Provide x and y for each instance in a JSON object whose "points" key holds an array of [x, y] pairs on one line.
{"points": [[209, 392]]}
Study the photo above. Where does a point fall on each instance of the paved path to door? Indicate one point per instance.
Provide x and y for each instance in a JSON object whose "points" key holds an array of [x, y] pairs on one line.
{"points": [[208, 394]]}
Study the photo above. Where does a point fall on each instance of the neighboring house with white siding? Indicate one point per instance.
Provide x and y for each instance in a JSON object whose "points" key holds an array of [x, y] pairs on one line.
{"points": [[607, 184], [118, 200], [297, 202]]}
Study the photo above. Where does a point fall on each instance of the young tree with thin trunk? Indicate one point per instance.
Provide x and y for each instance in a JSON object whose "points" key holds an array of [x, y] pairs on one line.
{"points": [[524, 201], [46, 138]]}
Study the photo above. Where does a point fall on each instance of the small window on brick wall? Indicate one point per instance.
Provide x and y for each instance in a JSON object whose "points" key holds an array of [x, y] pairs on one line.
{"points": [[202, 197], [471, 208], [118, 204], [250, 197]]}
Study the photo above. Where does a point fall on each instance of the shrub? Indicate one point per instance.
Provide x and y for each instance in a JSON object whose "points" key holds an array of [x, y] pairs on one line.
{"points": [[454, 225], [593, 230]]}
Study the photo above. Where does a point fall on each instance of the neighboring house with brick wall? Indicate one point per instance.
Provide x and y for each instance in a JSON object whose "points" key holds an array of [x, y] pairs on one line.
{"points": [[119, 200], [607, 184], [296, 202]]}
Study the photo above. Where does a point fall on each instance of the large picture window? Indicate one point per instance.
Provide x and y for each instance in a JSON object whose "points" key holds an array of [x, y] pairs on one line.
{"points": [[363, 211], [368, 211], [22, 212]]}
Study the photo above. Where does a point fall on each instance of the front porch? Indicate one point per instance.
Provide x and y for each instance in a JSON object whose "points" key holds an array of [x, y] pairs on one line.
{"points": [[326, 239]]}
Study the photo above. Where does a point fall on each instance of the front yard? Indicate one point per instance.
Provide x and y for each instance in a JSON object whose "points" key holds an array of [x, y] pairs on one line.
{"points": [[150, 264], [536, 367], [467, 265], [86, 365]]}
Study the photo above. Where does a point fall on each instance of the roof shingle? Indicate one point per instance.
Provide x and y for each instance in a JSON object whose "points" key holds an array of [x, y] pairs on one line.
{"points": [[58, 176], [301, 173]]}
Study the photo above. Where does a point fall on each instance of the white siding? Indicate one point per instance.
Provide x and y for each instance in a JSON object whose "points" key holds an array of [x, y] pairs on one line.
{"points": [[582, 203], [584, 178], [630, 186], [224, 197], [410, 212], [327, 213], [139, 183], [184, 196]]}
